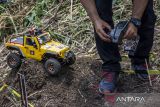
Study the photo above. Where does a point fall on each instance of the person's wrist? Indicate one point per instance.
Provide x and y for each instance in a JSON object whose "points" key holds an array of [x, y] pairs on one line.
{"points": [[95, 19]]}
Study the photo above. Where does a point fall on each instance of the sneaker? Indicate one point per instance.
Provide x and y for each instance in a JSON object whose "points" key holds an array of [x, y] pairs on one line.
{"points": [[107, 87], [108, 82], [142, 73]]}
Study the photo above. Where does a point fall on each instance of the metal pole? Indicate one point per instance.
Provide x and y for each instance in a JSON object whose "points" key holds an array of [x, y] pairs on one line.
{"points": [[24, 100]]}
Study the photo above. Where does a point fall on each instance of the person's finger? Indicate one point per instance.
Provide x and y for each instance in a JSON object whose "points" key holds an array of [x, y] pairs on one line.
{"points": [[100, 35], [103, 38], [126, 34], [135, 34], [130, 34], [104, 33], [107, 26]]}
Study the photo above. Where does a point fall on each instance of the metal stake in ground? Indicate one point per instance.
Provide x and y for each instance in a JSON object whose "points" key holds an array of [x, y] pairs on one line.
{"points": [[149, 77], [22, 84]]}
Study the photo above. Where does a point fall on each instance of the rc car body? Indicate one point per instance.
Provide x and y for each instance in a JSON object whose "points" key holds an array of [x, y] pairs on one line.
{"points": [[39, 45]]}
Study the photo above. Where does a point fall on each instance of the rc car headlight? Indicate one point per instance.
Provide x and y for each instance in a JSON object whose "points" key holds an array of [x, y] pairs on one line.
{"points": [[66, 54]]}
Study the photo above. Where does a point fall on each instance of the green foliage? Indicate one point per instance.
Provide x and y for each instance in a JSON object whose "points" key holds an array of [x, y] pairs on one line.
{"points": [[75, 25], [38, 11], [2, 8]]}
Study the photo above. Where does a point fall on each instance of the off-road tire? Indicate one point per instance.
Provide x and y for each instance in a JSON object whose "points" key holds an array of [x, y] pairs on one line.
{"points": [[14, 60], [71, 58], [52, 66]]}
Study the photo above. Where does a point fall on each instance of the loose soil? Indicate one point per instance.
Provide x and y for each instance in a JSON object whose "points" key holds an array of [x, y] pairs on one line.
{"points": [[72, 86]]}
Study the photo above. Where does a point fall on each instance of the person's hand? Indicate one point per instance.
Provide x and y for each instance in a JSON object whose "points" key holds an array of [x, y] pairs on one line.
{"points": [[100, 25], [131, 32]]}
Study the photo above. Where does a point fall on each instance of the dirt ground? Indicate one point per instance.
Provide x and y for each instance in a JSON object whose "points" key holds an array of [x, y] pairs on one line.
{"points": [[71, 87]]}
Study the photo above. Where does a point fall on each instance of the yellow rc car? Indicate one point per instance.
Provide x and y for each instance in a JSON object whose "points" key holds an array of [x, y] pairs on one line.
{"points": [[38, 45]]}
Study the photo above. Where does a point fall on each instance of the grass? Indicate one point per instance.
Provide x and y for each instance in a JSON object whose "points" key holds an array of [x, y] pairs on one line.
{"points": [[63, 17]]}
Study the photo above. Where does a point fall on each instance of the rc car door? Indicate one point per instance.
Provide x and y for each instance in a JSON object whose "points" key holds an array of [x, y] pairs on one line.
{"points": [[31, 47]]}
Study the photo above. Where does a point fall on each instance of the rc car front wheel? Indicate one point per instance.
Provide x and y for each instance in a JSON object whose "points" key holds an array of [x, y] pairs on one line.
{"points": [[52, 66], [71, 58], [14, 61]]}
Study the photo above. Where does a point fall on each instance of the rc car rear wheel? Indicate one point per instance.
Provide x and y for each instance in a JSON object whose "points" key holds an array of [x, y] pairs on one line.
{"points": [[71, 58], [52, 66], [14, 61]]}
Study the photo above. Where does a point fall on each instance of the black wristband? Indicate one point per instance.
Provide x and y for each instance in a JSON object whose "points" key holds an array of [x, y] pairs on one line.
{"points": [[136, 22]]}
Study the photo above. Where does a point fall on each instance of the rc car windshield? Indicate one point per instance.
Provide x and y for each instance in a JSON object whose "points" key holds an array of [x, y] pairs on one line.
{"points": [[44, 38]]}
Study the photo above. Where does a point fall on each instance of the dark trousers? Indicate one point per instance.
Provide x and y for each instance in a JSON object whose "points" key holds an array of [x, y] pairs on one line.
{"points": [[109, 52]]}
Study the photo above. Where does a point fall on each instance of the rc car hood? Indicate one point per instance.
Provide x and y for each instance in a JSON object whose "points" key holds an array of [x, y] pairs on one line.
{"points": [[55, 47]]}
